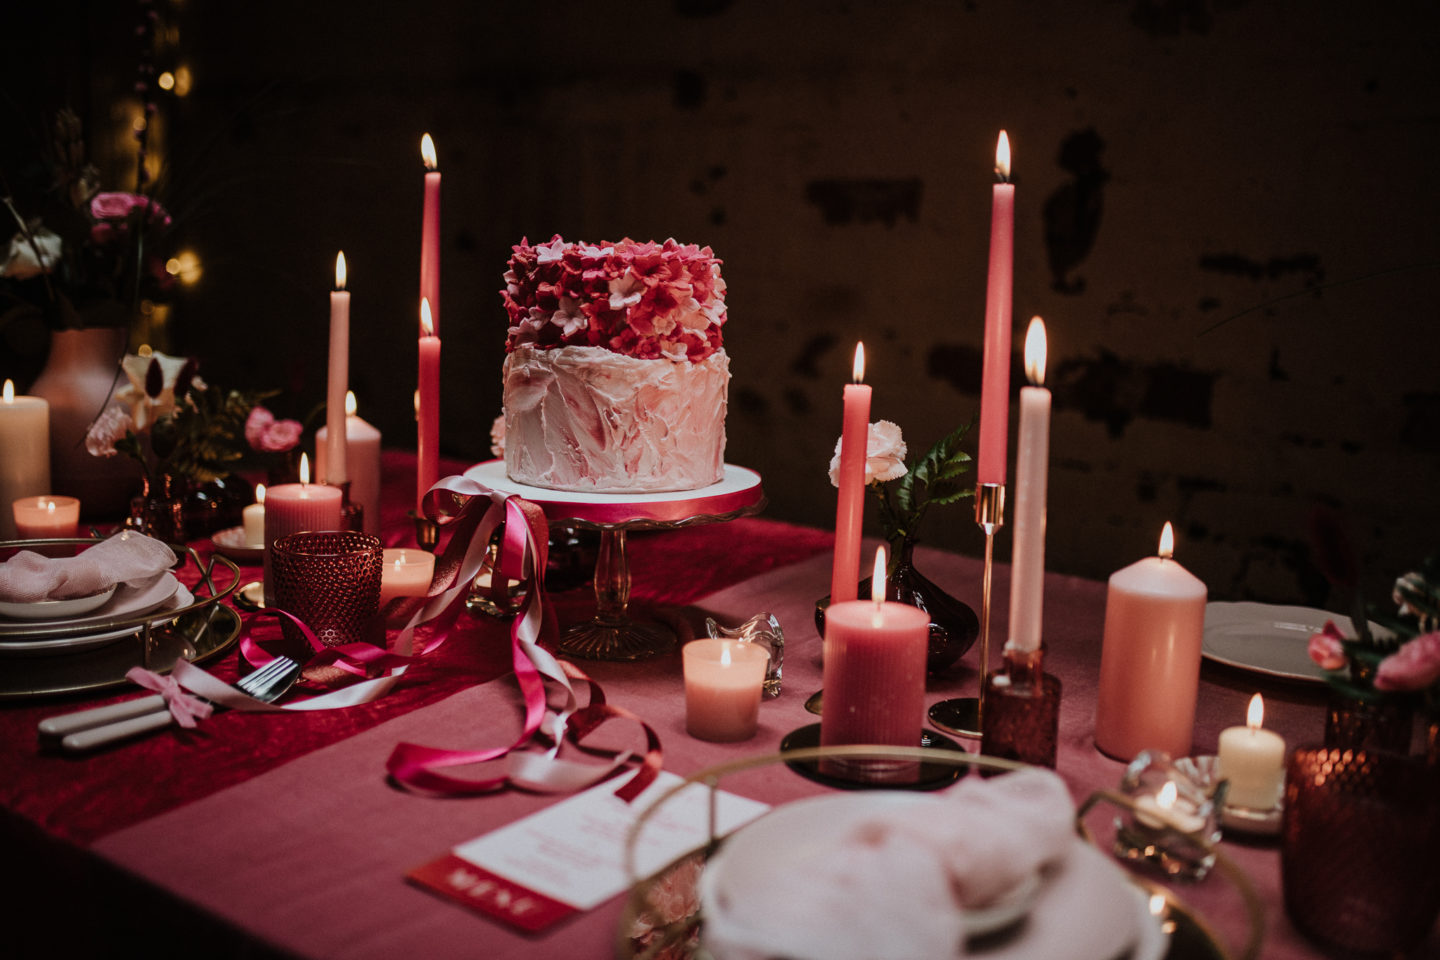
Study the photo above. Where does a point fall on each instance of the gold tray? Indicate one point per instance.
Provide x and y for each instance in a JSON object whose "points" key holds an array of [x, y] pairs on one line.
{"points": [[198, 632], [1190, 937]]}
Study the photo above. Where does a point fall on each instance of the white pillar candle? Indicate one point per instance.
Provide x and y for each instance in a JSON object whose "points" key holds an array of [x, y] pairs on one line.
{"points": [[1027, 583], [722, 688], [24, 452], [1253, 760], [406, 573], [253, 517], [362, 453]]}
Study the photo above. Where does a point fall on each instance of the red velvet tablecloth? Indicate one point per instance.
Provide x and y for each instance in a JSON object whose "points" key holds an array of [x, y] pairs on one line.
{"points": [[279, 835]]}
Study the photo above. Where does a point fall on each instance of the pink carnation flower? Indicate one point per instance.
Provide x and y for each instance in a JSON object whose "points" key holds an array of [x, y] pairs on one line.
{"points": [[1415, 666], [1326, 648], [263, 432], [884, 454]]}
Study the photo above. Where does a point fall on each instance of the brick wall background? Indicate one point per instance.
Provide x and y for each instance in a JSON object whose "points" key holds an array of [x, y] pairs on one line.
{"points": [[1226, 214]]}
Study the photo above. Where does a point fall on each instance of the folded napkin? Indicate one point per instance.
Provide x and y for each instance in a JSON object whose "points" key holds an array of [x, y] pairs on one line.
{"points": [[127, 557]]}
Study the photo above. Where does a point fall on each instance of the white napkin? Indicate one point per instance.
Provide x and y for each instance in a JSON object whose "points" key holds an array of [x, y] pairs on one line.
{"points": [[127, 557]]}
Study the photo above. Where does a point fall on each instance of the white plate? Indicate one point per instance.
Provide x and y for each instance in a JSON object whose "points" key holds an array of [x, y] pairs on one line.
{"points": [[1268, 638], [1084, 908], [128, 601], [55, 609], [178, 598], [231, 542]]}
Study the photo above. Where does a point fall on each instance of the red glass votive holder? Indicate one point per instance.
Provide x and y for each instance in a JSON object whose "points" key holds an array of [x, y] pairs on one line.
{"points": [[1020, 715], [330, 580], [1359, 845]]}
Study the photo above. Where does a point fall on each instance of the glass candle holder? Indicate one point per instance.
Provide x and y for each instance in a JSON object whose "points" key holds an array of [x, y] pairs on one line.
{"points": [[330, 580], [1175, 823], [763, 630], [1020, 713]]}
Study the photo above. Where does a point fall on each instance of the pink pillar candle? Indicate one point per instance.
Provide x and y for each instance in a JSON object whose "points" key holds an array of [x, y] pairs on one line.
{"points": [[427, 410], [874, 675], [1150, 657], [850, 503], [406, 573], [430, 233], [362, 445], [45, 517], [24, 451], [995, 384], [334, 468], [295, 508], [1027, 579], [723, 680]]}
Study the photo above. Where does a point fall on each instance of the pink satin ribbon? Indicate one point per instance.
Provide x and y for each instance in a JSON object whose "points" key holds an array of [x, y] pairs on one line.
{"points": [[184, 708], [472, 511]]}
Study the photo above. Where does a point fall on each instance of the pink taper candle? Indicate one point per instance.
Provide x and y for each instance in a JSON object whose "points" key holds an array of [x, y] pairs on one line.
{"points": [[1027, 578], [428, 409], [334, 470], [1150, 658], [874, 676], [430, 233], [850, 505], [995, 386]]}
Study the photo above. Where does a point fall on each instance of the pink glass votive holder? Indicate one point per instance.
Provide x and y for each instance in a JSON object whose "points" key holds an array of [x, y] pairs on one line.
{"points": [[330, 580], [723, 680]]}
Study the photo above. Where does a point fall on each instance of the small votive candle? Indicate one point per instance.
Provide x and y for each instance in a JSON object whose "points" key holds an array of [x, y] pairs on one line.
{"points": [[723, 679], [253, 517], [1253, 760], [406, 573], [47, 516]]}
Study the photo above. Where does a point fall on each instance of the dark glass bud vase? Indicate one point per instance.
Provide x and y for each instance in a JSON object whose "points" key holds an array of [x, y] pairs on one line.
{"points": [[953, 625]]}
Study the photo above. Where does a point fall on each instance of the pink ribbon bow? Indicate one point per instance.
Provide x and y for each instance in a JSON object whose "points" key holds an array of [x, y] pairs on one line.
{"points": [[183, 707]]}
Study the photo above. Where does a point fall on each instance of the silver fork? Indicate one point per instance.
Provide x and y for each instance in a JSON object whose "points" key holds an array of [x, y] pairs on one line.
{"points": [[101, 726]]}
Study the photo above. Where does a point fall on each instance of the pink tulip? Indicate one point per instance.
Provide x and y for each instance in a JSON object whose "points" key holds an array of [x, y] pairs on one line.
{"points": [[1326, 648]]}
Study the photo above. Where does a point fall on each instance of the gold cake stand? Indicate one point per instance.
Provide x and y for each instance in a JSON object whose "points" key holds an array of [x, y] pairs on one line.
{"points": [[613, 634]]}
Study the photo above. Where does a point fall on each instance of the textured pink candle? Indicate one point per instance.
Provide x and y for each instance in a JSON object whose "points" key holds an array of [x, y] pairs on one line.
{"points": [[293, 508], [1150, 660], [995, 387], [334, 468], [428, 410], [430, 233], [874, 676], [850, 504]]}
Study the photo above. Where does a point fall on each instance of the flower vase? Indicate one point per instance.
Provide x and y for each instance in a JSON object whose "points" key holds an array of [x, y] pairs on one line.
{"points": [[159, 510], [78, 380], [953, 625], [1354, 724]]}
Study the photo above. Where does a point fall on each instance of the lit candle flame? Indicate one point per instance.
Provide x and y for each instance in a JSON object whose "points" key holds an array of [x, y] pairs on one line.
{"points": [[260, 493], [427, 328], [877, 580], [304, 468], [1157, 904], [1035, 352], [1002, 156], [1255, 713], [427, 153], [9, 394], [340, 270], [857, 374], [50, 507], [725, 655], [350, 405], [1167, 541], [1167, 796]]}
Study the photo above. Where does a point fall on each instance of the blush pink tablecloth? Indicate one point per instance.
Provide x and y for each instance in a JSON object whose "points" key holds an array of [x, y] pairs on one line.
{"points": [[310, 857]]}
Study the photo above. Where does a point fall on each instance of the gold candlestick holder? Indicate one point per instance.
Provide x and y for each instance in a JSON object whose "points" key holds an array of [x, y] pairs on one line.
{"points": [[963, 716]]}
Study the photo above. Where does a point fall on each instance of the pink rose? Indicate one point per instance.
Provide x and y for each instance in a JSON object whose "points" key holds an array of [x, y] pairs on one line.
{"points": [[1326, 648], [119, 206], [110, 426], [264, 433], [1415, 666]]}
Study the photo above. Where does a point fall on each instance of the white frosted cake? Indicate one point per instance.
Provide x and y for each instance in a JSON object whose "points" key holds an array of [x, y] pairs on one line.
{"points": [[615, 375]]}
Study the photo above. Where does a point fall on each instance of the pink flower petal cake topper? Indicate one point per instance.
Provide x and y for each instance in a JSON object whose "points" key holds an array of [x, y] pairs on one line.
{"points": [[643, 300]]}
